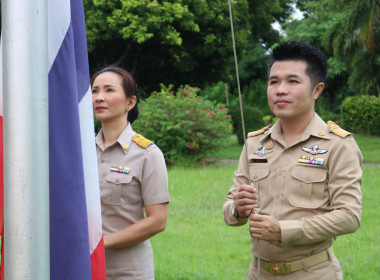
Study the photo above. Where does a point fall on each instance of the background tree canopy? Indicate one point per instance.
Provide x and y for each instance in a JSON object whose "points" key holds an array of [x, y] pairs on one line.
{"points": [[189, 42], [182, 41]]}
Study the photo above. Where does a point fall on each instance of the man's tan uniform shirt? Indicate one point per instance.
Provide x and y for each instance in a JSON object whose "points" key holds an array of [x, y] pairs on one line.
{"points": [[315, 197], [125, 195]]}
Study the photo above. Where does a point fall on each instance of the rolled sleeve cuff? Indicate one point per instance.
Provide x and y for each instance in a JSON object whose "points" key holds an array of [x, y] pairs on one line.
{"points": [[291, 232], [228, 216]]}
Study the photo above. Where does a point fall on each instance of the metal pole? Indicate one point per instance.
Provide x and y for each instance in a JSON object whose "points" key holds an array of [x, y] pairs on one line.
{"points": [[26, 144]]}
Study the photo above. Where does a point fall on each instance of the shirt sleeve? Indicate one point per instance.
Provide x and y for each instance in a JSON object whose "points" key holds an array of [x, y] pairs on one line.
{"points": [[345, 175], [240, 178], [154, 183]]}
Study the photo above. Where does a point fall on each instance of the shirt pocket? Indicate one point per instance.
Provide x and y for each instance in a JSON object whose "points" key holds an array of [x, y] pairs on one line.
{"points": [[259, 177], [308, 186], [112, 191]]}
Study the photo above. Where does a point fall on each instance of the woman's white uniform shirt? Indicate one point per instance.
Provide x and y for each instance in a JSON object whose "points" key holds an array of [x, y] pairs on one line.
{"points": [[124, 196]]}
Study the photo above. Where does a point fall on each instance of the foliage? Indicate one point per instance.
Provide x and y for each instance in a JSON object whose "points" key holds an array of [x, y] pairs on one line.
{"points": [[186, 127], [361, 114], [217, 92], [355, 37], [179, 41], [349, 31], [253, 120], [164, 41]]}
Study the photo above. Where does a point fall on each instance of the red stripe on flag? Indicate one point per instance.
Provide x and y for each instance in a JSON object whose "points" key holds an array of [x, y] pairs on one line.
{"points": [[98, 269]]}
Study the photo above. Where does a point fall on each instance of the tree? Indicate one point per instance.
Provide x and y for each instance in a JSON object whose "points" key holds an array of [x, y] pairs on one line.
{"points": [[349, 31], [355, 38], [162, 41], [178, 41]]}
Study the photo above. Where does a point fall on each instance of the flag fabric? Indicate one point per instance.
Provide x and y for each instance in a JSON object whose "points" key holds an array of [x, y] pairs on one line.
{"points": [[76, 243]]}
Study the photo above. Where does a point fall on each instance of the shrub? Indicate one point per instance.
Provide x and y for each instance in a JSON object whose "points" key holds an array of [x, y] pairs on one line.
{"points": [[186, 127], [361, 114], [253, 120]]}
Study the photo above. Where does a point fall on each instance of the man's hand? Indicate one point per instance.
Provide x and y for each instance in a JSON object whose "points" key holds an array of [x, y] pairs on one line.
{"points": [[264, 227], [245, 200]]}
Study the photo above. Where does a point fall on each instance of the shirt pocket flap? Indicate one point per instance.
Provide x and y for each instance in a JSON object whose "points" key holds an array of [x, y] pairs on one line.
{"points": [[119, 178], [258, 173], [309, 174]]}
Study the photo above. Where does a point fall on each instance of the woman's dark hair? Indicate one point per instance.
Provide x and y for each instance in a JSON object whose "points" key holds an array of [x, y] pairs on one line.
{"points": [[128, 84]]}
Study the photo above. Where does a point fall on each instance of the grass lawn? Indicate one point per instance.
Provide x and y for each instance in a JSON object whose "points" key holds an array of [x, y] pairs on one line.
{"points": [[370, 148], [198, 245]]}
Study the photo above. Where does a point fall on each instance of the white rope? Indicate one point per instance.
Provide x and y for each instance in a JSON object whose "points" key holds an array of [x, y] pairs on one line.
{"points": [[242, 120]]}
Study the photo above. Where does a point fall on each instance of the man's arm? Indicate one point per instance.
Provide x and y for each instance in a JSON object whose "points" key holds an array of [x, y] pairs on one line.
{"points": [[241, 199], [345, 175]]}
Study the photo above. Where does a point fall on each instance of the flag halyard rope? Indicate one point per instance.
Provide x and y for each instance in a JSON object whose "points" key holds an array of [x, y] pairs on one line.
{"points": [[242, 118]]}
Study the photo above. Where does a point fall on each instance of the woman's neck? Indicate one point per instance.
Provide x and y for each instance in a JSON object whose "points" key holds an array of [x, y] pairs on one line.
{"points": [[112, 131]]}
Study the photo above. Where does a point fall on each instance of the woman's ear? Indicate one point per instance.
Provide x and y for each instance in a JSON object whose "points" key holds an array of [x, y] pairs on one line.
{"points": [[131, 102]]}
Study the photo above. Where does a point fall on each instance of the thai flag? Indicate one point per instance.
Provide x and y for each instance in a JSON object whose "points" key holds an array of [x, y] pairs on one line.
{"points": [[76, 243]]}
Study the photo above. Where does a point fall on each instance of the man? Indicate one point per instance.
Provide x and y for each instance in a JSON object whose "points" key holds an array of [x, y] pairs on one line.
{"points": [[298, 183]]}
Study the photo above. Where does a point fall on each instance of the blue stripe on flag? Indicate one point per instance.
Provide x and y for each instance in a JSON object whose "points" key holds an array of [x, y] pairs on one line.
{"points": [[69, 241], [80, 47]]}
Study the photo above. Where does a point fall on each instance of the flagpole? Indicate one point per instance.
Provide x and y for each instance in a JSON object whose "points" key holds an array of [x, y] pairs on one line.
{"points": [[26, 144]]}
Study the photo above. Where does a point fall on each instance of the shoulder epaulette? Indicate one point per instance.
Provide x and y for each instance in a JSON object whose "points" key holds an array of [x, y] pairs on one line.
{"points": [[258, 132], [141, 141], [336, 129]]}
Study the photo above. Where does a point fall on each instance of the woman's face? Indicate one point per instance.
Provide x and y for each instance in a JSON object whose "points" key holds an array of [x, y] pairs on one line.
{"points": [[109, 101]]}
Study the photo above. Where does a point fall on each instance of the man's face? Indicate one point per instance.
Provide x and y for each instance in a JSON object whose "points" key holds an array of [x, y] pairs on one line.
{"points": [[290, 94]]}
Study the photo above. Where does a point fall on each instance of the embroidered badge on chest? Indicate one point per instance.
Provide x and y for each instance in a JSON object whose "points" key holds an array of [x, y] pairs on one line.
{"points": [[120, 169], [263, 152], [314, 150]]}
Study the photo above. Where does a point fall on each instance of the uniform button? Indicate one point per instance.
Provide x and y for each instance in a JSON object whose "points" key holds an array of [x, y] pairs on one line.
{"points": [[255, 176], [277, 195], [117, 180], [308, 178], [102, 161], [280, 172]]}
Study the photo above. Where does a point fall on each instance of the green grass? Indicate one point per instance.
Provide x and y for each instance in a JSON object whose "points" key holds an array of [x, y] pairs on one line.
{"points": [[232, 151], [370, 147], [198, 245], [359, 253]]}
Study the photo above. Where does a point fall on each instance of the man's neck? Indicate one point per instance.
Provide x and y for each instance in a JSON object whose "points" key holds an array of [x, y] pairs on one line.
{"points": [[293, 129]]}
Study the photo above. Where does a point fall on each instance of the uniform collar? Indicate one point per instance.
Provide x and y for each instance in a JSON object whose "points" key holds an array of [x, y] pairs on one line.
{"points": [[316, 127], [124, 139]]}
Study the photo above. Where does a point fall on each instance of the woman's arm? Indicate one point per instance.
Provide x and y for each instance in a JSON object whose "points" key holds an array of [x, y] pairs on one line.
{"points": [[155, 222]]}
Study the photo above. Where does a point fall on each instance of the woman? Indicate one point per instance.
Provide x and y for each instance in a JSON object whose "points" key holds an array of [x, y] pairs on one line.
{"points": [[132, 176]]}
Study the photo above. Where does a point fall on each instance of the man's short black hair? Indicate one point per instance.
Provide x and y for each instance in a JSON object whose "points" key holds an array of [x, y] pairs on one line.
{"points": [[315, 59]]}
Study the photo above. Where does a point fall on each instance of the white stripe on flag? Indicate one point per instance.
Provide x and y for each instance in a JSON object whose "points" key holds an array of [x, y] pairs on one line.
{"points": [[90, 170], [59, 18]]}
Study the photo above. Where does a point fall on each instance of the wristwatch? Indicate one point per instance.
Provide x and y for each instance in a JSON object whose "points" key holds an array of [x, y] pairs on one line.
{"points": [[235, 213]]}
